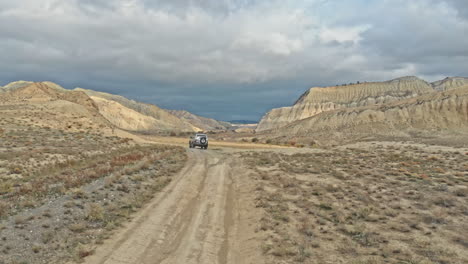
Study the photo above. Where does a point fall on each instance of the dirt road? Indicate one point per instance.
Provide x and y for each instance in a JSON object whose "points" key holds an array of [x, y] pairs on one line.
{"points": [[203, 216]]}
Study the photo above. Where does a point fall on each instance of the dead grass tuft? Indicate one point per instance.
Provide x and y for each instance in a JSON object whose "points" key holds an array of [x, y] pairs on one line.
{"points": [[95, 213]]}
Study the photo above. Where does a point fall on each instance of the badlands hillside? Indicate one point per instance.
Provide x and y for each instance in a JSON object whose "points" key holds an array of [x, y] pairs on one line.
{"points": [[49, 105], [321, 99], [450, 83], [423, 116], [20, 84], [201, 122], [14, 85], [393, 108], [62, 108], [135, 116]]}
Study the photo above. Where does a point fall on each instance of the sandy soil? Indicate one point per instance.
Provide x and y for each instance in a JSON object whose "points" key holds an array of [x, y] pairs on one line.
{"points": [[206, 215], [218, 210]]}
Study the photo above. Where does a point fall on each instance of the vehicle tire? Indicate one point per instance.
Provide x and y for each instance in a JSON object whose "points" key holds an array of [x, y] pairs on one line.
{"points": [[203, 141], [190, 145], [206, 147]]}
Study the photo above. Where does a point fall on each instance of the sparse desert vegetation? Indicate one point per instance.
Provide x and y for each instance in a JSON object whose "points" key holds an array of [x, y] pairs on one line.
{"points": [[379, 204], [61, 192]]}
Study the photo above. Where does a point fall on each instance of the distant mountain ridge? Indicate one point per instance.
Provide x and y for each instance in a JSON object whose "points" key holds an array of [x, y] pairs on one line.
{"points": [[203, 123], [243, 122]]}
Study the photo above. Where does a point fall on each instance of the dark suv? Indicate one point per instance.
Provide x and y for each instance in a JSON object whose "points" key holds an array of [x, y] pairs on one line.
{"points": [[199, 140]]}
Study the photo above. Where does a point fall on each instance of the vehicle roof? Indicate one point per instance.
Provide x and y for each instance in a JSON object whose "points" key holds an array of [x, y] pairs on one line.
{"points": [[199, 134]]}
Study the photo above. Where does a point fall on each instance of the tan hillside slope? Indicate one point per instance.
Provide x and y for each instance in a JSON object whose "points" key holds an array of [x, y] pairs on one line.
{"points": [[438, 111], [320, 99], [199, 121], [129, 119], [45, 104], [450, 83], [14, 85], [136, 116], [46, 91]]}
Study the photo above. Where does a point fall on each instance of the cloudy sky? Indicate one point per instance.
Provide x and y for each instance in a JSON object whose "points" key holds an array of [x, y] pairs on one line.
{"points": [[229, 59]]}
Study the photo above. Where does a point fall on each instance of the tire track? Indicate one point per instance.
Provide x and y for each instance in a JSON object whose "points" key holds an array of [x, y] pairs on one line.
{"points": [[192, 221]]}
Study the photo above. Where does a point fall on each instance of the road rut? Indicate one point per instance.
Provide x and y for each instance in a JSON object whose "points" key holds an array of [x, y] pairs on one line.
{"points": [[201, 217]]}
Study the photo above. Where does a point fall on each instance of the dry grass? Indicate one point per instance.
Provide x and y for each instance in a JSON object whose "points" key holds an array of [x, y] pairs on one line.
{"points": [[87, 214], [37, 162], [72, 188], [380, 205], [59, 177]]}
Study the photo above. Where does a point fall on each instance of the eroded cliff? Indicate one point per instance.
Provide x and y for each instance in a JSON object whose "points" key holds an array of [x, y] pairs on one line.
{"points": [[450, 83], [438, 111], [321, 99]]}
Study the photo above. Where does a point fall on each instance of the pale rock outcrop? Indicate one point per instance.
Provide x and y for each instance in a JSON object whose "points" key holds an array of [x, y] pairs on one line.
{"points": [[450, 83], [318, 99]]}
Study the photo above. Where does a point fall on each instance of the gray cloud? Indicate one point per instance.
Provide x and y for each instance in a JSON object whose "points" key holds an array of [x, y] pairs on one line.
{"points": [[425, 37], [461, 7], [227, 58]]}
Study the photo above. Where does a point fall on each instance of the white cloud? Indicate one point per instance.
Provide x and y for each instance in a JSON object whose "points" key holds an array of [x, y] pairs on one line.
{"points": [[274, 43], [343, 34]]}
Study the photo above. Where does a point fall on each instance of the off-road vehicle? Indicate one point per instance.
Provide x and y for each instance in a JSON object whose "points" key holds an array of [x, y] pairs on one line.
{"points": [[199, 140]]}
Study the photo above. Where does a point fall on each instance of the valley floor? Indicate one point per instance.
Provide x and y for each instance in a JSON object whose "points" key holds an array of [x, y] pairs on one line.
{"points": [[371, 202], [203, 216]]}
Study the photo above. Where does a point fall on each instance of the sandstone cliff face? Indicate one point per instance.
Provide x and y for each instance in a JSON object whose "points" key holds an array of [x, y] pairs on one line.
{"points": [[450, 83], [446, 110], [201, 122], [135, 116], [317, 100]]}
